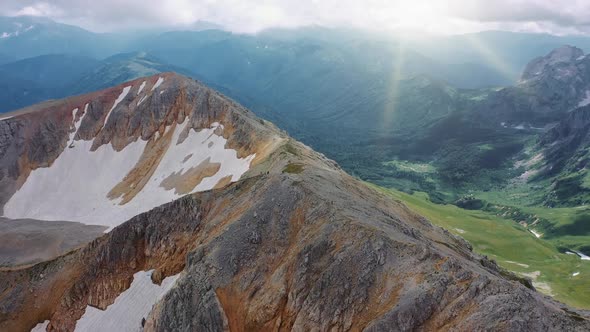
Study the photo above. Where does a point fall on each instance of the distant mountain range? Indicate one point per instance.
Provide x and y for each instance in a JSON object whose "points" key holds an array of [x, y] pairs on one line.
{"points": [[44, 77]]}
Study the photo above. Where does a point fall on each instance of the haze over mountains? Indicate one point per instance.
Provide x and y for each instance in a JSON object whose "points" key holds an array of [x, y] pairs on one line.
{"points": [[220, 220]]}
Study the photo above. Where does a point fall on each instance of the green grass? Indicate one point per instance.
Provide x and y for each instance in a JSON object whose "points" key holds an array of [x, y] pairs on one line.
{"points": [[511, 245], [293, 168], [564, 227]]}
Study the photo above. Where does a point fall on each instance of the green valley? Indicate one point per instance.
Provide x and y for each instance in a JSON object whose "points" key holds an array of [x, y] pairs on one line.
{"points": [[511, 245]]}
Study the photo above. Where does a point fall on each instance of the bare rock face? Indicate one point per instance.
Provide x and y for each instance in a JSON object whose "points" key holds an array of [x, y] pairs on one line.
{"points": [[565, 55], [550, 87], [295, 244]]}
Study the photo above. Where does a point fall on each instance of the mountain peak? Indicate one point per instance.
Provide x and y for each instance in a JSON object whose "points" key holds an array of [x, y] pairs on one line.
{"points": [[565, 53], [148, 120], [563, 56]]}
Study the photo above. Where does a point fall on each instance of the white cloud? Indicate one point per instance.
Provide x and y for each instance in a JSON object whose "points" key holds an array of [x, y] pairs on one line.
{"points": [[440, 16]]}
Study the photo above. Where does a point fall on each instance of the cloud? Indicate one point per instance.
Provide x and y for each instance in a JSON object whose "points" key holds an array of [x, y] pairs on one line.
{"points": [[566, 13], [446, 16]]}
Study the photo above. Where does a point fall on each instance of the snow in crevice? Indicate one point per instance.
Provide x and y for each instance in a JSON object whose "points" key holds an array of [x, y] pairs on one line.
{"points": [[141, 100], [41, 327], [141, 87], [586, 100], [76, 124], [158, 83], [129, 308], [119, 99], [538, 235]]}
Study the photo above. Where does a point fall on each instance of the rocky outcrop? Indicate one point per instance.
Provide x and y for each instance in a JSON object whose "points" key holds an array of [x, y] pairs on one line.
{"points": [[295, 244]]}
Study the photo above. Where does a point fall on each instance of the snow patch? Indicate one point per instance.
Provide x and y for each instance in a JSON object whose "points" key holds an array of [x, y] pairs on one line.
{"points": [[196, 143], [582, 256], [141, 100], [581, 57], [76, 125], [158, 83], [129, 308], [119, 99], [76, 186], [533, 275], [41, 327], [575, 274], [519, 264], [141, 87], [6, 118], [460, 230], [538, 235], [586, 100]]}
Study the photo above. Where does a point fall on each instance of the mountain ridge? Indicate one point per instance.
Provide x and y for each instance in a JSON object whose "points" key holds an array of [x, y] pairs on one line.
{"points": [[294, 243]]}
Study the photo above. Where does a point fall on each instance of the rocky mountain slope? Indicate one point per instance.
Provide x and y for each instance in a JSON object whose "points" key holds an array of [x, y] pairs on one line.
{"points": [[288, 242], [550, 86], [102, 158]]}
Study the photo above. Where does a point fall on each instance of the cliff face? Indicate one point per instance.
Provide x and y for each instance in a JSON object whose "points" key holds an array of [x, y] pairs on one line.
{"points": [[294, 244]]}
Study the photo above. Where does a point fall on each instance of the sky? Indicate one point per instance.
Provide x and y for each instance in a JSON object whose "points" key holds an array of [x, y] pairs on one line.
{"points": [[248, 16]]}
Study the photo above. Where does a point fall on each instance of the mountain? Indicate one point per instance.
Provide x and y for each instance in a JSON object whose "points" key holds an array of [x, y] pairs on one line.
{"points": [[45, 77], [5, 59], [550, 87], [33, 80], [120, 68], [24, 37], [134, 113], [49, 70], [16, 93], [565, 152], [219, 221], [495, 49]]}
